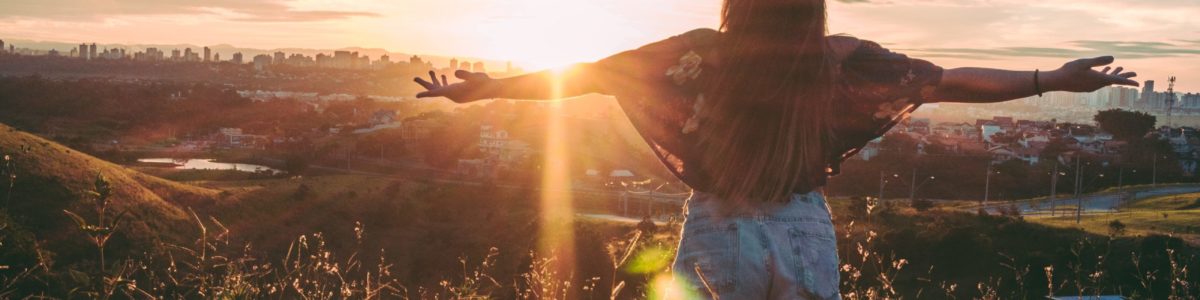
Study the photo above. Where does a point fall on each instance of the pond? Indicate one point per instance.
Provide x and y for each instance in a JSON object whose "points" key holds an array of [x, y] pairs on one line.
{"points": [[206, 164]]}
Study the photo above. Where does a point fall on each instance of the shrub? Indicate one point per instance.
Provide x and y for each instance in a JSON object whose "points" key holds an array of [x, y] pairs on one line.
{"points": [[923, 204]]}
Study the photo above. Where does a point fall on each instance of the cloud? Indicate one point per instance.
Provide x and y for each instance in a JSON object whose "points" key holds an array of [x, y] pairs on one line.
{"points": [[235, 10], [1084, 48], [304, 16]]}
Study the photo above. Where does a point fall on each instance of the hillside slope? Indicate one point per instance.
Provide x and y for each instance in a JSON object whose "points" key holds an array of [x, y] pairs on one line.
{"points": [[51, 178]]}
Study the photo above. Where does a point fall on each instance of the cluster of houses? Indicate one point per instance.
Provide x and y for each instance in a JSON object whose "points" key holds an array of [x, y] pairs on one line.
{"points": [[1003, 139], [499, 152]]}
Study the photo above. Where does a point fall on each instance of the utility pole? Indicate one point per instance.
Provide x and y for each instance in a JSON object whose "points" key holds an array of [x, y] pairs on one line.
{"points": [[912, 191], [1121, 186], [1053, 187], [1154, 171], [987, 184], [1121, 180], [1078, 184], [881, 183]]}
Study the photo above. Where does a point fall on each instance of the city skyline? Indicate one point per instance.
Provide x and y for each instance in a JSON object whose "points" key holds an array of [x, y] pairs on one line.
{"points": [[1157, 38]]}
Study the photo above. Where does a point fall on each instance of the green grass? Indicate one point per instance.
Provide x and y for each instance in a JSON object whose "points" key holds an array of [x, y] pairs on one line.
{"points": [[1183, 224], [1189, 201], [1144, 217]]}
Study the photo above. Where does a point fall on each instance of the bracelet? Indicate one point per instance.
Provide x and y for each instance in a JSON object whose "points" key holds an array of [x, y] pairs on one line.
{"points": [[1037, 86]]}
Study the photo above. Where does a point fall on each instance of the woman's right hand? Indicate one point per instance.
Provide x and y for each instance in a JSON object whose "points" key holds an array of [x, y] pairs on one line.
{"points": [[475, 86]]}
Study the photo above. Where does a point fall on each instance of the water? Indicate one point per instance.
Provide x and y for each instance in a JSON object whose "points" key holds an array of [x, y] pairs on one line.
{"points": [[207, 164]]}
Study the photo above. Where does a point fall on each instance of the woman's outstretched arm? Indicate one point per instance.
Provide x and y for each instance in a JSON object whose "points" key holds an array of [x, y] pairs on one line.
{"points": [[982, 85], [543, 85]]}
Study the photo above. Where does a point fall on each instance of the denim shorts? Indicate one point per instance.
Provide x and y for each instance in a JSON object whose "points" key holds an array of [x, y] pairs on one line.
{"points": [[758, 251]]}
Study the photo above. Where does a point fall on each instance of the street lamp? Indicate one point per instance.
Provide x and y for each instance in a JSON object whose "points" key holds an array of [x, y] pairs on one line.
{"points": [[987, 183], [917, 187], [883, 182]]}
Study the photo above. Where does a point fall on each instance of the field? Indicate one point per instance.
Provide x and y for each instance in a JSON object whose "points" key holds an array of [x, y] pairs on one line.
{"points": [[1176, 215]]}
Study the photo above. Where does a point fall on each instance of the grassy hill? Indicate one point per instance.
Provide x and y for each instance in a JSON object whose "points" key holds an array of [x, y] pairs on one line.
{"points": [[50, 178]]}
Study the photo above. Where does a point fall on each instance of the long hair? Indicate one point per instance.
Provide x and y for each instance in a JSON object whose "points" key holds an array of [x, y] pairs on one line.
{"points": [[773, 92]]}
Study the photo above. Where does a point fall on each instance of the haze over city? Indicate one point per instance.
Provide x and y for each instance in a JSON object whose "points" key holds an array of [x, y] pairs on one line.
{"points": [[1157, 38]]}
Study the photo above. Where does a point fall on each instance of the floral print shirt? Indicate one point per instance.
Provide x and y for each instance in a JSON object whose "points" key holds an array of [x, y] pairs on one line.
{"points": [[660, 87]]}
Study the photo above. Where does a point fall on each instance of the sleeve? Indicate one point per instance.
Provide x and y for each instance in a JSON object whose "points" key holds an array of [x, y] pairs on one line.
{"points": [[633, 70], [886, 85], [879, 89]]}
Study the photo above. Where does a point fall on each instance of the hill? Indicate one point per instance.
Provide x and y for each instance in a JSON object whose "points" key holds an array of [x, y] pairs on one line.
{"points": [[49, 178]]}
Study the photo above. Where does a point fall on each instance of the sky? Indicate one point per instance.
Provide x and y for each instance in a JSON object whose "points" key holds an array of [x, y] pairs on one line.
{"points": [[1156, 38]]}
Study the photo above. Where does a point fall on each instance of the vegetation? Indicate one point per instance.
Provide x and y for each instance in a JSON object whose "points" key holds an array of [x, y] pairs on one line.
{"points": [[376, 237], [1125, 125]]}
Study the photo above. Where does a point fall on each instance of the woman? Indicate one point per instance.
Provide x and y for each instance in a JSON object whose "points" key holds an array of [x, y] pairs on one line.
{"points": [[755, 116]]}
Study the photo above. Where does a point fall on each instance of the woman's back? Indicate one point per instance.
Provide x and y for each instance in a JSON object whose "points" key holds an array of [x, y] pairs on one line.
{"points": [[664, 88]]}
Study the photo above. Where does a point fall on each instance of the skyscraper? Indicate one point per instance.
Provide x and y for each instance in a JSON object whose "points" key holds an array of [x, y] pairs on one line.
{"points": [[454, 63], [1, 45], [1147, 94], [465, 66], [279, 57], [92, 51], [478, 67], [175, 55], [83, 51], [207, 54], [237, 58], [217, 57]]}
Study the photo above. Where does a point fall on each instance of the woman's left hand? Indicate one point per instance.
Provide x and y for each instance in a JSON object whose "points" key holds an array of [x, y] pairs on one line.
{"points": [[1079, 76], [475, 86]]}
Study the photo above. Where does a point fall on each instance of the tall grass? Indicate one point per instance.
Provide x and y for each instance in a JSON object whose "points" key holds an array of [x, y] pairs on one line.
{"points": [[213, 266]]}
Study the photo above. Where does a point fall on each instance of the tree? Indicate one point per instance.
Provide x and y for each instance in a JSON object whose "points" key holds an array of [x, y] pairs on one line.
{"points": [[295, 164], [1125, 125]]}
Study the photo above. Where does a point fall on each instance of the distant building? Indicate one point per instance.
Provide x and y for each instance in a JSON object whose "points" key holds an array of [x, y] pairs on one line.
{"points": [[235, 138], [83, 51], [92, 51], [989, 130], [478, 67], [1147, 93], [383, 117], [499, 148], [465, 66], [453, 62], [175, 56], [261, 62], [237, 58], [1190, 101], [1, 46], [207, 54], [280, 57], [500, 152]]}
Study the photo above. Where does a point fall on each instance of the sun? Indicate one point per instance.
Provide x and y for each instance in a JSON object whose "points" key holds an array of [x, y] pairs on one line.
{"points": [[543, 34]]}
